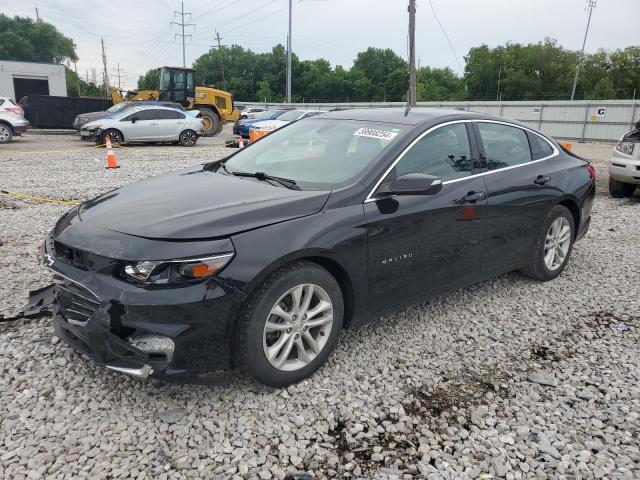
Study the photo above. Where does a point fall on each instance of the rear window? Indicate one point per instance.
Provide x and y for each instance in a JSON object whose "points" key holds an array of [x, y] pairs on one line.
{"points": [[504, 145], [1, 101], [540, 148]]}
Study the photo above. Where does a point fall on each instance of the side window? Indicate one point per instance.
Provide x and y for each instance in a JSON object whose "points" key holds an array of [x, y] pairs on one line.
{"points": [[221, 103], [540, 148], [150, 114], [170, 115], [445, 153], [504, 146]]}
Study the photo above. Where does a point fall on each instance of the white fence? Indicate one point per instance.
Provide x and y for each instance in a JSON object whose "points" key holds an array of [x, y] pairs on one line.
{"points": [[592, 120]]}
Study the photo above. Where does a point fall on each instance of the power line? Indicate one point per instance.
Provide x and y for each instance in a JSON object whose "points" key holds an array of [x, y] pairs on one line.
{"points": [[257, 20], [182, 14], [218, 37], [447, 37]]}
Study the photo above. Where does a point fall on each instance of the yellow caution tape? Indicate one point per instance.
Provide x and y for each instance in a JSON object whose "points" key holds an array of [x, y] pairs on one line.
{"points": [[38, 199]]}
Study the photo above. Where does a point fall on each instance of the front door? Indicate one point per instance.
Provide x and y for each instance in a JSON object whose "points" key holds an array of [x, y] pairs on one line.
{"points": [[421, 244], [520, 189], [141, 125]]}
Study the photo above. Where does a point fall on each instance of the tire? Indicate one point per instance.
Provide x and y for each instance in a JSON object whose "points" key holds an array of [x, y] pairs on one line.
{"points": [[212, 124], [539, 268], [115, 135], [619, 189], [253, 339], [6, 133], [188, 138]]}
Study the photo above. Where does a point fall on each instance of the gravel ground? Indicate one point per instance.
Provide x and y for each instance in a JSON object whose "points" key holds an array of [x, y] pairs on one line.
{"points": [[510, 378]]}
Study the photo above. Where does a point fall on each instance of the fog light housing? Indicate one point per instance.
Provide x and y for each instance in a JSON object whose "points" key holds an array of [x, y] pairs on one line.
{"points": [[158, 347]]}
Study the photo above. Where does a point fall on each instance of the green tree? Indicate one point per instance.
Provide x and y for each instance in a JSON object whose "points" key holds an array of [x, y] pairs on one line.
{"points": [[149, 81], [23, 39], [86, 89], [378, 65], [603, 90], [439, 84]]}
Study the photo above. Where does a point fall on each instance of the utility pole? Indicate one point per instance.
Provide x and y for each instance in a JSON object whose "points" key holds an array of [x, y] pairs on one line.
{"points": [[411, 96], [118, 70], [37, 14], [289, 53], [104, 72], [499, 77], [94, 78], [182, 24], [591, 4], [86, 74], [218, 37]]}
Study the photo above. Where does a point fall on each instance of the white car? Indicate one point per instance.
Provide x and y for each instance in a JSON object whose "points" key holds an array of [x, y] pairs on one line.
{"points": [[250, 112], [12, 121], [146, 125], [624, 165], [284, 119]]}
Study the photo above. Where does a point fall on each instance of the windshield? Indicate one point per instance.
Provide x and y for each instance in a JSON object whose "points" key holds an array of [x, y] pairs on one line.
{"points": [[117, 107], [291, 115], [164, 79], [319, 154], [268, 114]]}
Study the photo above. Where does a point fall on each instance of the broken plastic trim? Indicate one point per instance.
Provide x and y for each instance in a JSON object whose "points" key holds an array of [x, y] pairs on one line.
{"points": [[40, 303], [142, 372]]}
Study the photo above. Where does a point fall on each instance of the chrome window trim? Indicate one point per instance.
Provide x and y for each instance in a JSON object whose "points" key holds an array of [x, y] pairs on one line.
{"points": [[556, 152]]}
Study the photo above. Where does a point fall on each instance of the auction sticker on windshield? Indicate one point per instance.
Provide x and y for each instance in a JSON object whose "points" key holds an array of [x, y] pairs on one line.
{"points": [[375, 133]]}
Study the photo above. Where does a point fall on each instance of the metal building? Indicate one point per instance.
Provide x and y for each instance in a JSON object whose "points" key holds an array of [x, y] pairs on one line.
{"points": [[18, 79]]}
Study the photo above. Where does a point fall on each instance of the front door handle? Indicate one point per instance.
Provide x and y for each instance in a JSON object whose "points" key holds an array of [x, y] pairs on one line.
{"points": [[541, 180], [474, 196]]}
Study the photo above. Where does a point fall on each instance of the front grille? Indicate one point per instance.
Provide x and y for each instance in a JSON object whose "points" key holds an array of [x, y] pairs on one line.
{"points": [[76, 303]]}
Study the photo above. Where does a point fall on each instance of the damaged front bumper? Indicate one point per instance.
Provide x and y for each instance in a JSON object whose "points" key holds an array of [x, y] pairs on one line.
{"points": [[140, 331]]}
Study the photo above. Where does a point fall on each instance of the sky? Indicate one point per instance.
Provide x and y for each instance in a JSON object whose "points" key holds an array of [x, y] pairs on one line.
{"points": [[138, 34]]}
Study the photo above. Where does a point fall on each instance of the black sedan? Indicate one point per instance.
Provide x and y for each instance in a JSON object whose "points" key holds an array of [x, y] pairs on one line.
{"points": [[260, 259]]}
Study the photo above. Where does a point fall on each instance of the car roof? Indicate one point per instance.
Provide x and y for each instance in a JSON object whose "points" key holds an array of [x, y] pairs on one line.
{"points": [[405, 116]]}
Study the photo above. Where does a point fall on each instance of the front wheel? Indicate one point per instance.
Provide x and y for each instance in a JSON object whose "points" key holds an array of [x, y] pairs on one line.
{"points": [[290, 325], [553, 245], [114, 135], [619, 189], [188, 138]]}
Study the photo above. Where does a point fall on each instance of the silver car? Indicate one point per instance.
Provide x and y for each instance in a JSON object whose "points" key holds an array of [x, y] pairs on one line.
{"points": [[12, 121], [146, 125], [624, 165]]}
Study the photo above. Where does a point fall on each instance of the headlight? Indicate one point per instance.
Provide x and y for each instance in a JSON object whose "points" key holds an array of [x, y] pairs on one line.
{"points": [[84, 119], [625, 147], [93, 127], [186, 270]]}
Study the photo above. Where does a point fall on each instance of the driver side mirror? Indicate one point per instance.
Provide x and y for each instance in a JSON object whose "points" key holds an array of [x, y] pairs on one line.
{"points": [[413, 184], [134, 119]]}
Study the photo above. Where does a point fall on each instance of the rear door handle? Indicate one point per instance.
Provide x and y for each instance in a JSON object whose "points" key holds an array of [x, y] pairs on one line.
{"points": [[474, 196], [541, 180]]}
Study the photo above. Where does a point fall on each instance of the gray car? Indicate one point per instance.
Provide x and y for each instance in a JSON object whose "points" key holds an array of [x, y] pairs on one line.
{"points": [[150, 124], [624, 165], [12, 121]]}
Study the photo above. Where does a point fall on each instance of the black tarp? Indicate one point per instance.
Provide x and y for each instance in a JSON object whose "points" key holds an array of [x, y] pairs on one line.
{"points": [[47, 111]]}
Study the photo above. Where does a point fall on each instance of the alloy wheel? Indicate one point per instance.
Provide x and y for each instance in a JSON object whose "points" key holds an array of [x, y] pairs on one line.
{"points": [[115, 137], [5, 134], [298, 327], [557, 243], [189, 138]]}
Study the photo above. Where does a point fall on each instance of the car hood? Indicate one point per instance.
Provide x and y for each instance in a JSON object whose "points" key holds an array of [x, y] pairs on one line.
{"points": [[270, 123], [196, 204], [94, 115]]}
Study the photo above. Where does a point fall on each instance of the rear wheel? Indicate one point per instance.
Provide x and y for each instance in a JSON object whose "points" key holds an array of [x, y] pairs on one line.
{"points": [[6, 133], [188, 138], [553, 245], [290, 325], [114, 135], [619, 189], [211, 122]]}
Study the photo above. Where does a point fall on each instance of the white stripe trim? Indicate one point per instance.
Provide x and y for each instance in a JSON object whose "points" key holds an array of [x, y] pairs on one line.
{"points": [[402, 154]]}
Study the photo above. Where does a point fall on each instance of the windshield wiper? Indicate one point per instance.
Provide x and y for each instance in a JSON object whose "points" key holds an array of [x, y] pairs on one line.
{"points": [[285, 182]]}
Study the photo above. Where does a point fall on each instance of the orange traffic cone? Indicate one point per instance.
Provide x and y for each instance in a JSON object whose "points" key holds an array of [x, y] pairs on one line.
{"points": [[240, 142], [111, 157]]}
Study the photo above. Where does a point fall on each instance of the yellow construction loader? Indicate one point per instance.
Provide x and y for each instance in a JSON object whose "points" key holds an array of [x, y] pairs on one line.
{"points": [[177, 85]]}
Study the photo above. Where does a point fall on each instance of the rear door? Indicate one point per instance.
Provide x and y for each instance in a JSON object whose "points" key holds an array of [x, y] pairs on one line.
{"points": [[141, 125], [170, 124], [520, 188], [422, 244]]}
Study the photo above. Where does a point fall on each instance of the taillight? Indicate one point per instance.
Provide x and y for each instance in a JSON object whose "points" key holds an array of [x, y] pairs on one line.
{"points": [[13, 109], [592, 171]]}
